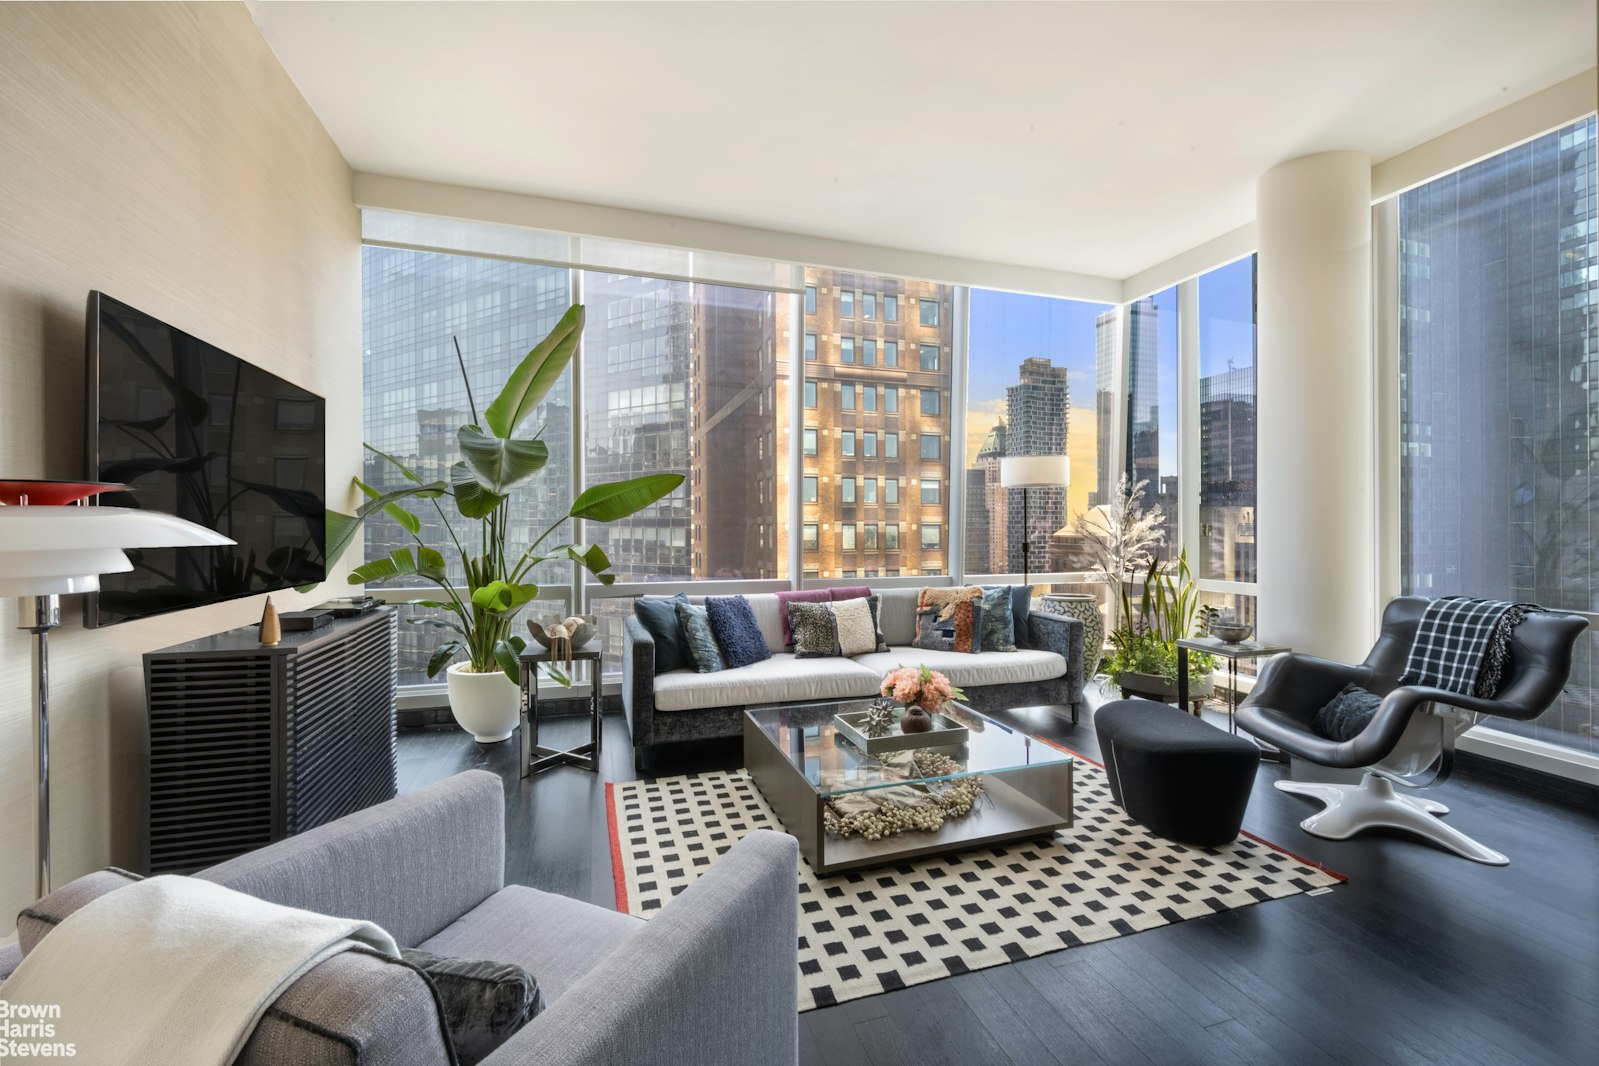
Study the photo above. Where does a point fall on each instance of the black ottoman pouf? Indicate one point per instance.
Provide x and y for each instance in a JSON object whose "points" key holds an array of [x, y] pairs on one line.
{"points": [[1175, 775]]}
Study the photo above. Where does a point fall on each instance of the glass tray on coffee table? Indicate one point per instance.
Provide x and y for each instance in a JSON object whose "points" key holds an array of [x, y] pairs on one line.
{"points": [[799, 760]]}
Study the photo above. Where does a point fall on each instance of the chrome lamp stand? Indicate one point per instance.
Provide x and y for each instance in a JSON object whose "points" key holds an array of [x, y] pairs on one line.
{"points": [[38, 615]]}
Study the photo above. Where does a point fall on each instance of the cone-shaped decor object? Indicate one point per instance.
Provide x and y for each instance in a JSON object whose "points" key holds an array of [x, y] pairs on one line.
{"points": [[271, 631]]}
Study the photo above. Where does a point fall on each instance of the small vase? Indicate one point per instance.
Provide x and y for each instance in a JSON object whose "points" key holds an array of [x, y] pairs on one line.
{"points": [[915, 720]]}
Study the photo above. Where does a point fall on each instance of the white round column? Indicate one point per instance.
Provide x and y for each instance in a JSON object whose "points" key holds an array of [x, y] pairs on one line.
{"points": [[1316, 511]]}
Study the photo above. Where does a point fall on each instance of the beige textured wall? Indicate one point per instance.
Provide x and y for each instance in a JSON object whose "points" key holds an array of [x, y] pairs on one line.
{"points": [[159, 153]]}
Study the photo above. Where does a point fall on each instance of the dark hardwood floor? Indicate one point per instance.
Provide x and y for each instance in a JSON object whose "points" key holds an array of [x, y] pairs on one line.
{"points": [[1421, 958]]}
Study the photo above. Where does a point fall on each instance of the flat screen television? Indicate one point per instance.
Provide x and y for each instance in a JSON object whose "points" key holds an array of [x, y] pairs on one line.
{"points": [[204, 435]]}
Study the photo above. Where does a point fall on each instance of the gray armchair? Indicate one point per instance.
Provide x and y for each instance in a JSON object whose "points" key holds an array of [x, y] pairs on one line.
{"points": [[712, 979], [1410, 740]]}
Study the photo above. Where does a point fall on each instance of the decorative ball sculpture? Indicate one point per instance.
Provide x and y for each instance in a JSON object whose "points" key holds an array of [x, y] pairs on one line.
{"points": [[575, 631], [880, 718]]}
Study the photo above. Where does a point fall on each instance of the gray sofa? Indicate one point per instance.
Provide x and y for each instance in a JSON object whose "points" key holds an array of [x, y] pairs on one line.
{"points": [[682, 705], [711, 979]]}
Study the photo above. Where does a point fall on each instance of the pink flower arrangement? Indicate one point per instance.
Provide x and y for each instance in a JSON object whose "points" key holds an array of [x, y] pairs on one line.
{"points": [[918, 684]]}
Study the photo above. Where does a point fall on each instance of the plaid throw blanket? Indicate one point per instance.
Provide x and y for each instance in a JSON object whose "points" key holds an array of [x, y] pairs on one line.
{"points": [[1463, 645]]}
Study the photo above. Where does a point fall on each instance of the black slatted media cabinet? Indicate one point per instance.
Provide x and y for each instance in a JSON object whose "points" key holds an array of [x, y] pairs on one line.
{"points": [[249, 744]]}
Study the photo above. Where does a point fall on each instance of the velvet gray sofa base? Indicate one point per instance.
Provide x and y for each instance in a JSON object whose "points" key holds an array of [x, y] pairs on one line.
{"points": [[429, 868], [651, 727]]}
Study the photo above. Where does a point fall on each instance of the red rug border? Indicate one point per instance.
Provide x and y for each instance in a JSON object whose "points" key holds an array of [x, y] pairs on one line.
{"points": [[618, 876], [1343, 878]]}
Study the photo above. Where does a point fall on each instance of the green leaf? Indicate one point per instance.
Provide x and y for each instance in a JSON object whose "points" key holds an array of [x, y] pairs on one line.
{"points": [[505, 655], [439, 623], [503, 596], [500, 465], [593, 559], [440, 604], [423, 562], [472, 499], [536, 375], [377, 501], [556, 674], [442, 655], [341, 530], [410, 475], [618, 499]]}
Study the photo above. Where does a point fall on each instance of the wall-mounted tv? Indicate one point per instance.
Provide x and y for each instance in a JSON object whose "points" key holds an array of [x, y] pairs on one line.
{"points": [[204, 435]]}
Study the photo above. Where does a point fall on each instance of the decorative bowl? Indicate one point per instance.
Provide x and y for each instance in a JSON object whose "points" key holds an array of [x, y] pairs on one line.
{"points": [[586, 628], [1230, 632]]}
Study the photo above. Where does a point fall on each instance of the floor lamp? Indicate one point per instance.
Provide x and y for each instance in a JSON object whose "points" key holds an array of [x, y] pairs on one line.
{"points": [[1033, 472], [51, 546]]}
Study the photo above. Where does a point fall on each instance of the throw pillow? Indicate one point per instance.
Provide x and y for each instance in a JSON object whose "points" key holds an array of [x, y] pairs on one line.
{"points": [[856, 626], [737, 633], [852, 592], [659, 617], [950, 619], [876, 603], [998, 631], [702, 649], [1021, 605], [484, 1003], [1346, 714], [815, 629], [807, 596]]}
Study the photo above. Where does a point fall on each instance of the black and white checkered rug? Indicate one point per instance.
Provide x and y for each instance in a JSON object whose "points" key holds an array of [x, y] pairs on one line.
{"points": [[872, 931]]}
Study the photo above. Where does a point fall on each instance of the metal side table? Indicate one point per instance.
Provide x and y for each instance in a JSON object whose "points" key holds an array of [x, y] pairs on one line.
{"points": [[535, 756], [1244, 649]]}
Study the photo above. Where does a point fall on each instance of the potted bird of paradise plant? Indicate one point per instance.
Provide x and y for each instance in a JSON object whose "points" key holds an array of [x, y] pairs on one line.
{"points": [[479, 626]]}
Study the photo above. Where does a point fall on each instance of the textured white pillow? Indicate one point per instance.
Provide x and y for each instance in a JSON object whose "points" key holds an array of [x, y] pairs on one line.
{"points": [[857, 634]]}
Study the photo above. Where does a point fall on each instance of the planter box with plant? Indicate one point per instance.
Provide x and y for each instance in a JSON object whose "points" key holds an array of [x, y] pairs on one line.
{"points": [[497, 583], [1144, 661]]}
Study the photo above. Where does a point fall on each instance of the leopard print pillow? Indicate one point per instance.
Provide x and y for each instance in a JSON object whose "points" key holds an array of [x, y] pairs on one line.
{"points": [[815, 629]]}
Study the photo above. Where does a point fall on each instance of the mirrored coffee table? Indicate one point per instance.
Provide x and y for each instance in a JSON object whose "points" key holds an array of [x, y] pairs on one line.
{"points": [[799, 761]]}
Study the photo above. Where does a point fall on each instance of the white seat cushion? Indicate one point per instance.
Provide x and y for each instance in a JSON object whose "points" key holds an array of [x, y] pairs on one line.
{"points": [[780, 679], [978, 671]]}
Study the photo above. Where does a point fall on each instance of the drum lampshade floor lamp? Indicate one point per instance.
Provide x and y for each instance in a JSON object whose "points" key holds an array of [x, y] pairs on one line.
{"points": [[52, 546], [1033, 472]]}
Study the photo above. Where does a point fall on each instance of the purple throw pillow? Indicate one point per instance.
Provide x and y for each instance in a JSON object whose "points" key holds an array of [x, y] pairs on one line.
{"points": [[786, 598], [855, 592]]}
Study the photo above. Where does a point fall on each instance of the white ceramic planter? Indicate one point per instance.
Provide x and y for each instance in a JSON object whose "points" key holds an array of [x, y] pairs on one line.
{"points": [[486, 705]]}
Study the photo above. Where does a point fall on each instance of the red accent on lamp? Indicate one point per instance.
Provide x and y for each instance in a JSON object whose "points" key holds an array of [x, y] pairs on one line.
{"points": [[52, 493]]}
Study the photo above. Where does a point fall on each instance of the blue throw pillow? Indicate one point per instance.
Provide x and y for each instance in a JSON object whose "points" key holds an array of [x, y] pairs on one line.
{"points": [[999, 633], [736, 632], [659, 617], [702, 650], [1021, 605], [1346, 714]]}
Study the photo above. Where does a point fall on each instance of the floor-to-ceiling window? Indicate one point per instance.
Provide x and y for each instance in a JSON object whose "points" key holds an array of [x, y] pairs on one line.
{"points": [[684, 377], [417, 307], [1227, 422], [1039, 382], [1500, 394], [1152, 431]]}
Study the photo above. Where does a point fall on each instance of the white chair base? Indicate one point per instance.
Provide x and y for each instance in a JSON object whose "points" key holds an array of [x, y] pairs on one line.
{"points": [[1374, 802]]}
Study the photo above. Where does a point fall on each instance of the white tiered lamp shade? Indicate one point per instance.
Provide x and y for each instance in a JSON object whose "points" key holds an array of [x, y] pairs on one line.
{"points": [[1035, 471], [59, 550]]}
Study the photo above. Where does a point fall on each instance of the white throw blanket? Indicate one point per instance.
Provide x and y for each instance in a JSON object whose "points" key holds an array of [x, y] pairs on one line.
{"points": [[174, 970]]}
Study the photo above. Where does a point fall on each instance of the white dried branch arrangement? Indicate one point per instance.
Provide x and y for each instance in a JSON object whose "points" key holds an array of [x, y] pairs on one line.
{"points": [[1122, 537]]}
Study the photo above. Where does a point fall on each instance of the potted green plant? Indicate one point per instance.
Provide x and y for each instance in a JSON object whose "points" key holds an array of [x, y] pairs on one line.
{"points": [[1144, 643], [483, 690]]}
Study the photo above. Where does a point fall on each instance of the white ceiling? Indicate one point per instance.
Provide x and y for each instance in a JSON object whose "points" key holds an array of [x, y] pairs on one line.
{"points": [[1100, 138]]}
